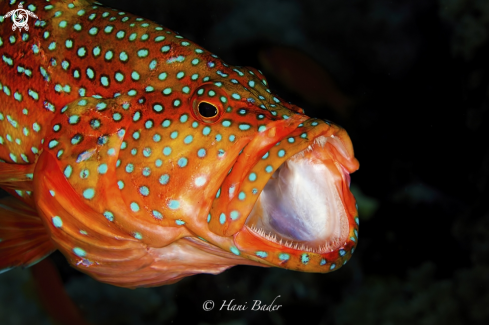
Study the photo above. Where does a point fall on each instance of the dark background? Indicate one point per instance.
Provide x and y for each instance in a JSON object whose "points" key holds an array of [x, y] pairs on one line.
{"points": [[415, 76]]}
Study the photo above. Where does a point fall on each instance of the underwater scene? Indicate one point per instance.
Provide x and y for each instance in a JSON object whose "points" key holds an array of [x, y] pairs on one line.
{"points": [[407, 80]]}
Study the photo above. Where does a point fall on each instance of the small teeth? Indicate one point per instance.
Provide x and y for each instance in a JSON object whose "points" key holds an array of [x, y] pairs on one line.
{"points": [[262, 233], [326, 248]]}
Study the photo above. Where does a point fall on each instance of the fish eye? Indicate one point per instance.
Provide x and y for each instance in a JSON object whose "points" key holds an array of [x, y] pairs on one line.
{"points": [[207, 110], [207, 103]]}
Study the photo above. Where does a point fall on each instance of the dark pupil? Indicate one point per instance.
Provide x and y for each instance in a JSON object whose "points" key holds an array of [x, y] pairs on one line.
{"points": [[207, 110]]}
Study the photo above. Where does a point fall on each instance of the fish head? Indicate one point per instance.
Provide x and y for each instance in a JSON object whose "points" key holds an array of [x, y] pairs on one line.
{"points": [[271, 184]]}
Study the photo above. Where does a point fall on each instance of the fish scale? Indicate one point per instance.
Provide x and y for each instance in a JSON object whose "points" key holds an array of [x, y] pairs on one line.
{"points": [[134, 185]]}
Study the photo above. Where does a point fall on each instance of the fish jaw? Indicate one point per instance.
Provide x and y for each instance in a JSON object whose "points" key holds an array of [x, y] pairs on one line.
{"points": [[278, 222]]}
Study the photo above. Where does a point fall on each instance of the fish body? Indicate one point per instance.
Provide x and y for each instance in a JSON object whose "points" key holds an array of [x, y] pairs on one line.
{"points": [[148, 158]]}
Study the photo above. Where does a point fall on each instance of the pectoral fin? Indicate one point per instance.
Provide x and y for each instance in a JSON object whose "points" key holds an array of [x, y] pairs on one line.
{"points": [[24, 240]]}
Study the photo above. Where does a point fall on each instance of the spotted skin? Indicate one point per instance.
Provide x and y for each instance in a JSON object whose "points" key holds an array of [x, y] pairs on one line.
{"points": [[133, 185]]}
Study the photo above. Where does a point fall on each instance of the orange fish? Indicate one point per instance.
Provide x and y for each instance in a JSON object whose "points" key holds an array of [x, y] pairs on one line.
{"points": [[144, 158]]}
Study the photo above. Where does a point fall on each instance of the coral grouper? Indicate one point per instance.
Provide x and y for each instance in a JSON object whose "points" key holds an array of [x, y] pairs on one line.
{"points": [[144, 158]]}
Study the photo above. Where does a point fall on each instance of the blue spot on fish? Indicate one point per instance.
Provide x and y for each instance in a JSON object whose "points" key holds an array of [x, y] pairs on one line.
{"points": [[174, 204], [109, 215], [284, 257], [134, 207], [57, 222], [89, 193], [234, 215], [79, 252]]}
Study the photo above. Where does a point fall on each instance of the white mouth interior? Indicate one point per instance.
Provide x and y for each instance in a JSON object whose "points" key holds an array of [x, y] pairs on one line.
{"points": [[301, 207]]}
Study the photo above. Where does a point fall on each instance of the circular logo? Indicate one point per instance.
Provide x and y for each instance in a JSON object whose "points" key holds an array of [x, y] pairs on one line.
{"points": [[208, 305], [20, 17]]}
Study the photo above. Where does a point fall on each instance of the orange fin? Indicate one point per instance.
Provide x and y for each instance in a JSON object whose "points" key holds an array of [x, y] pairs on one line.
{"points": [[17, 180], [16, 176], [23, 239]]}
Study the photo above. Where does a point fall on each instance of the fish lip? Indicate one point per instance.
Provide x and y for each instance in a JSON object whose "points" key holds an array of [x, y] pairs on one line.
{"points": [[342, 170]]}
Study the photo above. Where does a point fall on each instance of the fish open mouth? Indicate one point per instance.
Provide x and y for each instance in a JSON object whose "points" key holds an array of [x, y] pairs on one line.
{"points": [[303, 204]]}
